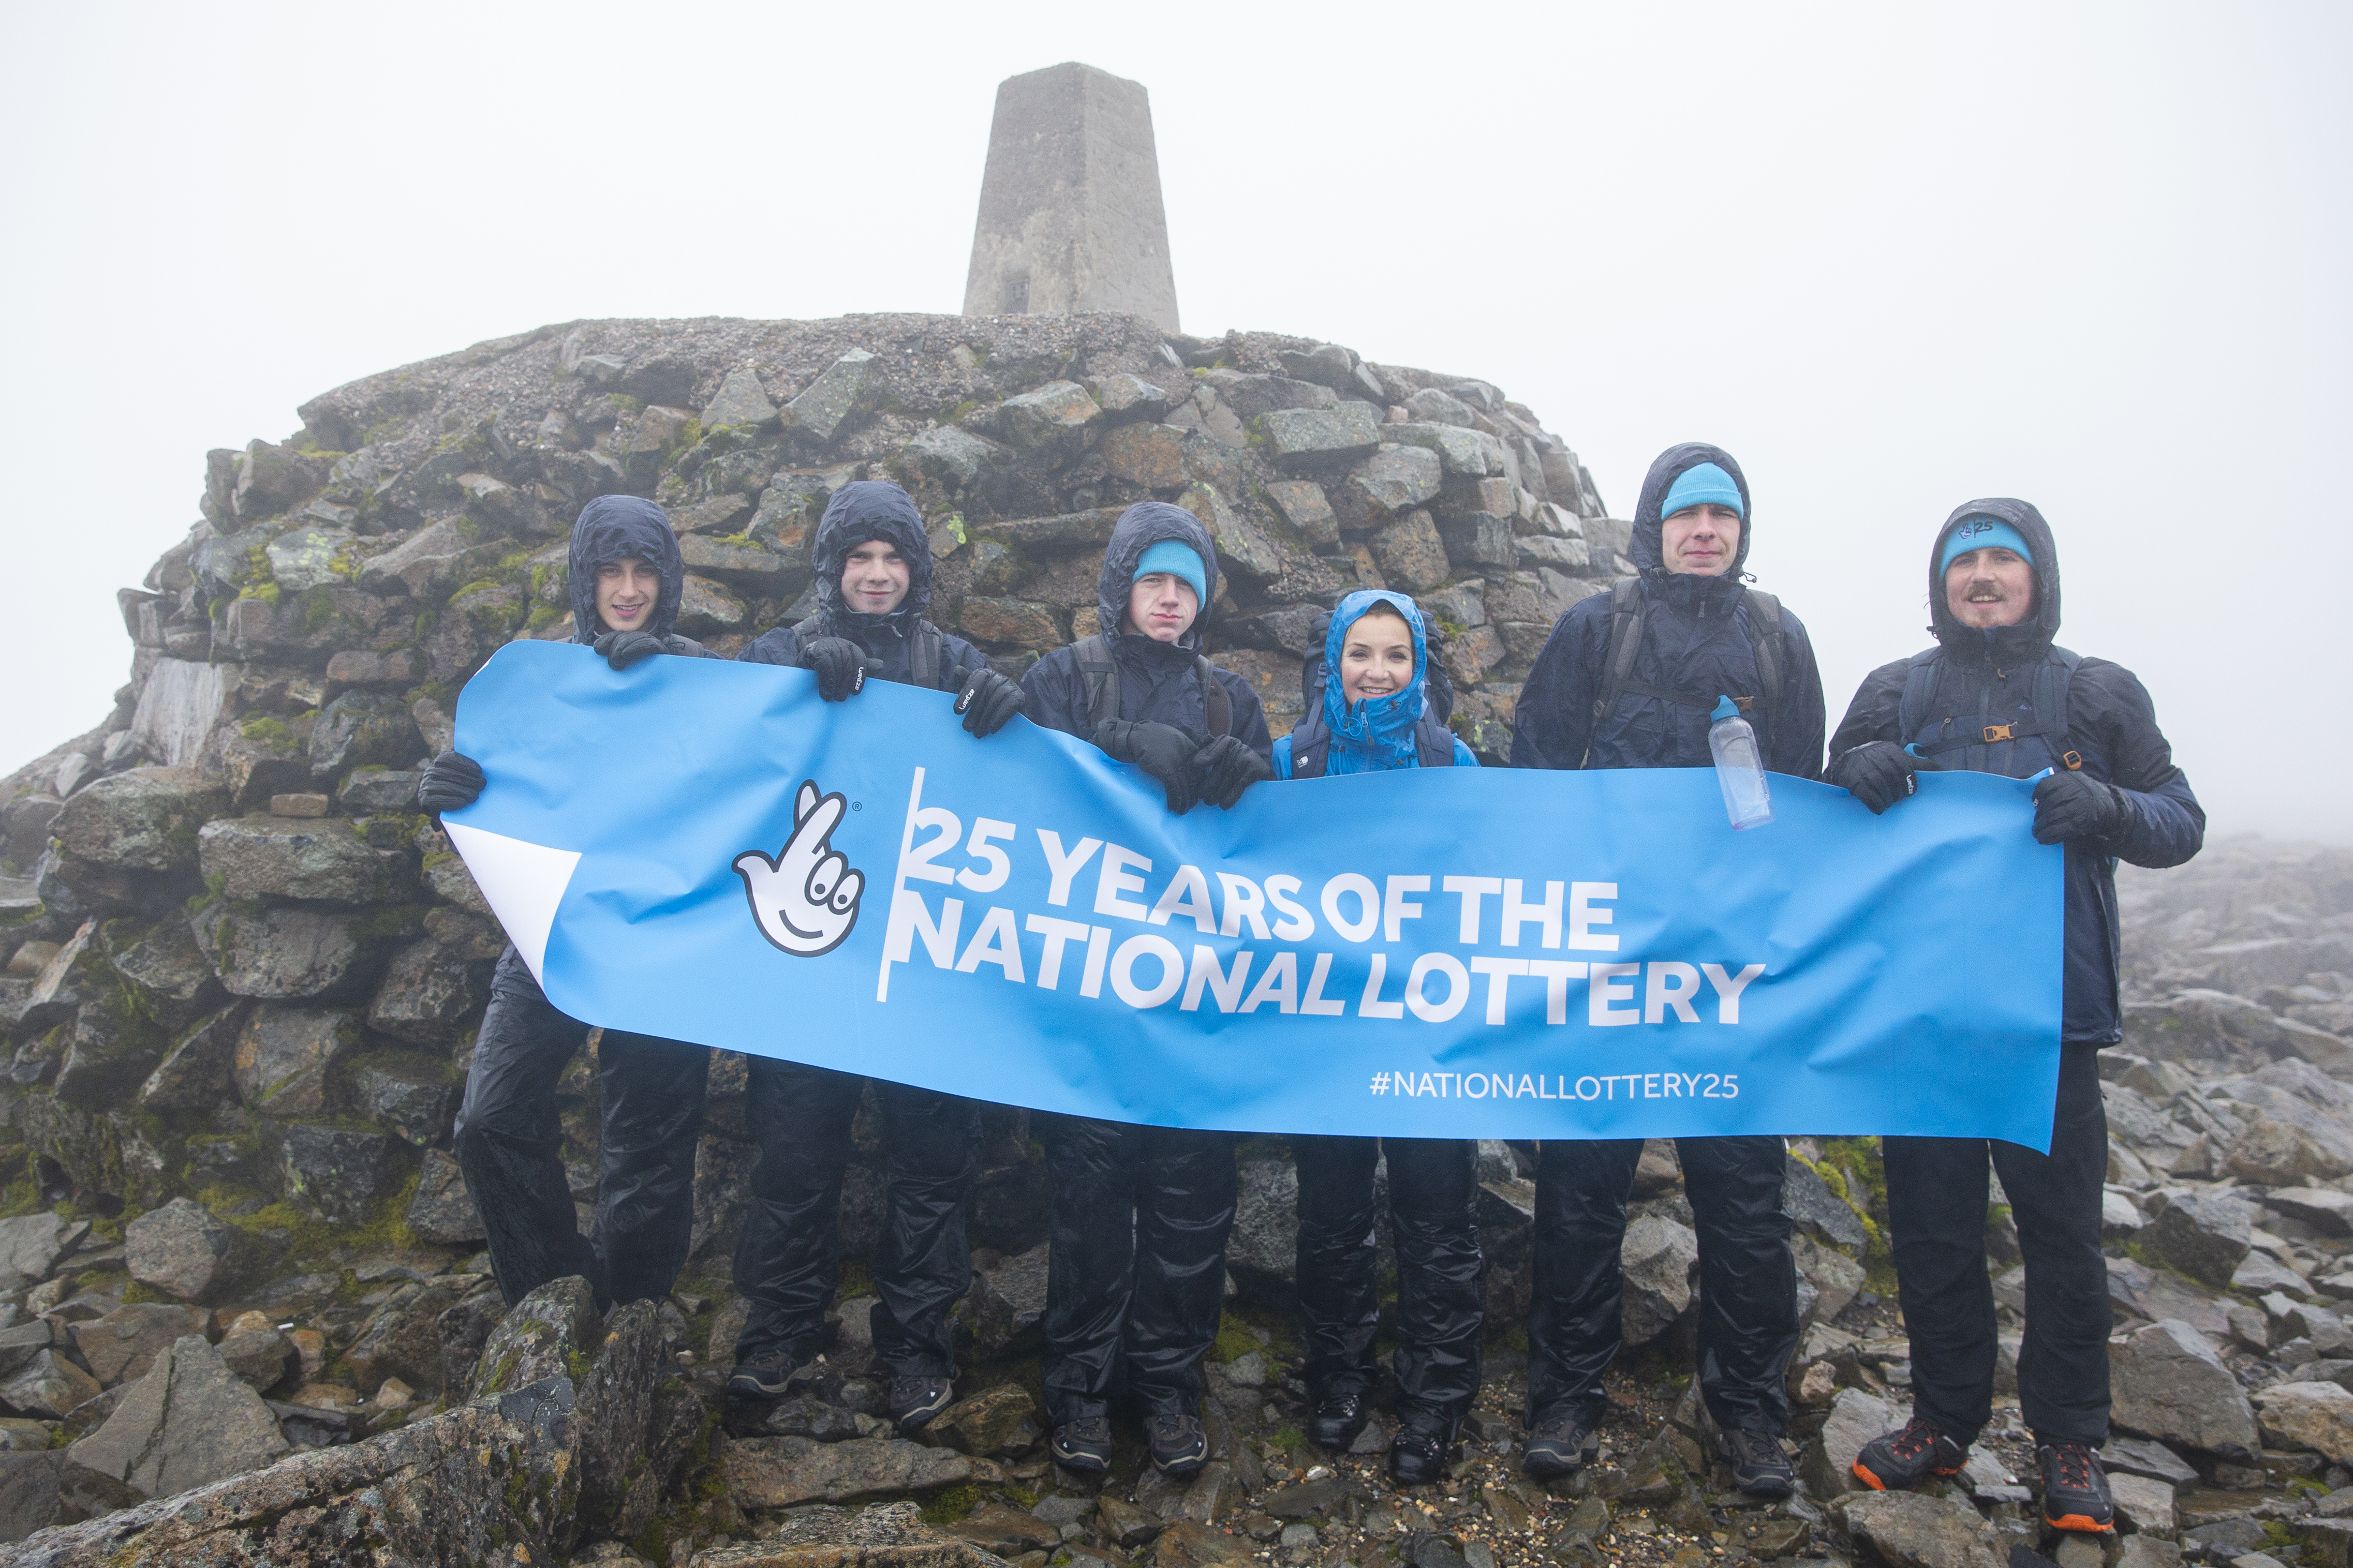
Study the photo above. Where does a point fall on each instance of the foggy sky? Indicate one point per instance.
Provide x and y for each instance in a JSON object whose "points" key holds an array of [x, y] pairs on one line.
{"points": [[1892, 258]]}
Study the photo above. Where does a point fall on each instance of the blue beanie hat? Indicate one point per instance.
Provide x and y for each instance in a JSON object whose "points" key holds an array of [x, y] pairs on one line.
{"points": [[1701, 485], [1177, 559], [1982, 533]]}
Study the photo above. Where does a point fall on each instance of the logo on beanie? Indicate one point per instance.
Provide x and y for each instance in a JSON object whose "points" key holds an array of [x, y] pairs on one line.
{"points": [[805, 897], [1974, 526]]}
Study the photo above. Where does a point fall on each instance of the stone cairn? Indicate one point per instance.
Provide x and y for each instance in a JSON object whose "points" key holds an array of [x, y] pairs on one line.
{"points": [[244, 1315]]}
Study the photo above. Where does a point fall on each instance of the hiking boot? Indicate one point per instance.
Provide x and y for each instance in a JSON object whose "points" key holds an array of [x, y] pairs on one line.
{"points": [[915, 1400], [1337, 1422], [2075, 1490], [1561, 1444], [1760, 1466], [1902, 1459], [1179, 1446], [1417, 1453], [1082, 1444], [766, 1374]]}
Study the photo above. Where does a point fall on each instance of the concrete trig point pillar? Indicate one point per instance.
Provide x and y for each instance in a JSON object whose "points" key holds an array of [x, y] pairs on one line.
{"points": [[1070, 206]]}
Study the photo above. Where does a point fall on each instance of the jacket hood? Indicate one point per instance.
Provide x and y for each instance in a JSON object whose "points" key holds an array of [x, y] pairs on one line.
{"points": [[1380, 727], [2029, 637], [1645, 548], [616, 528], [860, 511], [1139, 527]]}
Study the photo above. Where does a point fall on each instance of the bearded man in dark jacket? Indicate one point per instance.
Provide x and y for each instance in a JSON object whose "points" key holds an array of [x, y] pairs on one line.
{"points": [[1136, 1275], [625, 579], [1627, 680], [873, 578], [1995, 695]]}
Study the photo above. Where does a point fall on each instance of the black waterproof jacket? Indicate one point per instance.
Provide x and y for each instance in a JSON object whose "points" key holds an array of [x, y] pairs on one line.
{"points": [[1696, 639], [2111, 725], [617, 528], [1157, 682], [859, 511]]}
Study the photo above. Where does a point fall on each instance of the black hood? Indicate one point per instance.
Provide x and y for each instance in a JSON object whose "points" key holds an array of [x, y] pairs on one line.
{"points": [[1646, 549], [616, 528], [2004, 645], [862, 510], [1139, 527]]}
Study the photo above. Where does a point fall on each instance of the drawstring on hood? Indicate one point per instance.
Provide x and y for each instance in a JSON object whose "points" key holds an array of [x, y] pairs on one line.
{"points": [[618, 528], [1701, 596], [2002, 647], [1378, 732]]}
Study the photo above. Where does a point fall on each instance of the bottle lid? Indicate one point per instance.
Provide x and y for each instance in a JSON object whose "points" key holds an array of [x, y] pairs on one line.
{"points": [[1725, 707]]}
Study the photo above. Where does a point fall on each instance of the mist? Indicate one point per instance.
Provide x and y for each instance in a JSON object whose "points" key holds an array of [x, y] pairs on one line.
{"points": [[1892, 258]]}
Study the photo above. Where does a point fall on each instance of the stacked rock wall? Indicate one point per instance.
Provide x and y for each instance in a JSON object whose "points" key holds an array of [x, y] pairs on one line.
{"points": [[243, 971]]}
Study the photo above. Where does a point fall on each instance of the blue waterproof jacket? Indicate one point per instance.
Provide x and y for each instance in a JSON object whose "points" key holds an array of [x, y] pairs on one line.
{"points": [[862, 510], [1376, 734], [1158, 682], [2111, 728], [1696, 639]]}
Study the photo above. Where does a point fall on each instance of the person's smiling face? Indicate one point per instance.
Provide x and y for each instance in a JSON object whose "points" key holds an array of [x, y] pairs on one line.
{"points": [[874, 578], [626, 591], [1989, 587]]}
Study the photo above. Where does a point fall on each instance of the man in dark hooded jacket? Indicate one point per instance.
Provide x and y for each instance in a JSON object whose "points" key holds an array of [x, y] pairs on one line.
{"points": [[1627, 680], [1995, 695], [1135, 1277], [625, 579], [874, 568]]}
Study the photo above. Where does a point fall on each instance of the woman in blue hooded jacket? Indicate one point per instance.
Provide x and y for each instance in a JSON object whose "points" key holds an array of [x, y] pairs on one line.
{"points": [[1376, 714]]}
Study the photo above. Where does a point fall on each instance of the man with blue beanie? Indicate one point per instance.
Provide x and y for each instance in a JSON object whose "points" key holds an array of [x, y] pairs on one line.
{"points": [[1997, 695], [1374, 713], [1627, 679], [1135, 1279]]}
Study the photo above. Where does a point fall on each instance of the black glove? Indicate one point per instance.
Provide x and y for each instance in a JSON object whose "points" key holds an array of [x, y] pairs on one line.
{"points": [[2069, 806], [986, 699], [1164, 751], [449, 781], [622, 650], [1877, 773], [839, 664], [1228, 767]]}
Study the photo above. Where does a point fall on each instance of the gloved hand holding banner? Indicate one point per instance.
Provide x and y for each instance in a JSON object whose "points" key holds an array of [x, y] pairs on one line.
{"points": [[706, 851]]}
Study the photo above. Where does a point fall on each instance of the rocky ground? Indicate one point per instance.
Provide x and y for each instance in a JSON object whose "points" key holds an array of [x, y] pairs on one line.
{"points": [[243, 1313]]}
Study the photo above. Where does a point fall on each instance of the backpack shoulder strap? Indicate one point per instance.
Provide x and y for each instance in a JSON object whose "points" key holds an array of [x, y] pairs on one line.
{"points": [[1772, 640], [1919, 689], [925, 651], [1217, 702], [2058, 674], [1625, 641], [1311, 744], [1100, 672], [1433, 742]]}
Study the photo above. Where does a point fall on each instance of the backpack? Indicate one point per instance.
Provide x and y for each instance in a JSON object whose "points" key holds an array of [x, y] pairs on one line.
{"points": [[1102, 674], [1768, 642], [1310, 738], [2042, 719]]}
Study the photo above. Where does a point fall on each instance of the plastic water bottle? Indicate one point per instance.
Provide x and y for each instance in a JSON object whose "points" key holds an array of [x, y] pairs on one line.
{"points": [[1739, 770]]}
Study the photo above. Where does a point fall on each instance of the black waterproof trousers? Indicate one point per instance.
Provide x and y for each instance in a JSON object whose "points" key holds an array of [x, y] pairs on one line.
{"points": [[1441, 1279], [1136, 1282], [508, 1143], [1748, 1284], [790, 1258], [1936, 1206]]}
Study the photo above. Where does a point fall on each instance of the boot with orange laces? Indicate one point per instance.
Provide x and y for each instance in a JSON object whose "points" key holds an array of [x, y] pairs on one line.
{"points": [[1902, 1459], [2075, 1489]]}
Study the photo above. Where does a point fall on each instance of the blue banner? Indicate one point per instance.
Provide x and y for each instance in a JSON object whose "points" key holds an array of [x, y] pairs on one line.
{"points": [[705, 850]]}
